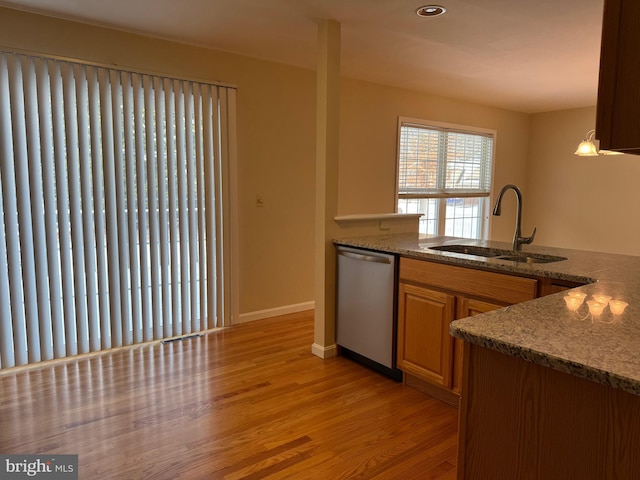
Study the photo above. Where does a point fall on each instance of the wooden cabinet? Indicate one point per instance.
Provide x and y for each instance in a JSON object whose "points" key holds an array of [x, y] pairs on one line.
{"points": [[531, 421], [618, 110], [432, 295], [466, 307], [423, 335]]}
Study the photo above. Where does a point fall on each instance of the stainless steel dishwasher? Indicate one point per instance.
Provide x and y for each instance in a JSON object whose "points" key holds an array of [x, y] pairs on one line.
{"points": [[365, 308]]}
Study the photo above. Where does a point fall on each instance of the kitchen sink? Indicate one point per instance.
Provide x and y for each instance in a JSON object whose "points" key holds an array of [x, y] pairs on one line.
{"points": [[532, 258], [471, 250], [498, 254]]}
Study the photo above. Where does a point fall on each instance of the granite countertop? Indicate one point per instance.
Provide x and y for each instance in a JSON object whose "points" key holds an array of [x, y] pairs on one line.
{"points": [[601, 347]]}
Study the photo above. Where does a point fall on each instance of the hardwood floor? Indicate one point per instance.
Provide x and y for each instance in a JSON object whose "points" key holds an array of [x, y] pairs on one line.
{"points": [[248, 402]]}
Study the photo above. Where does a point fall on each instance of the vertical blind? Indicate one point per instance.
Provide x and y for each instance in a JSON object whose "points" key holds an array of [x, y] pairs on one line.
{"points": [[112, 213]]}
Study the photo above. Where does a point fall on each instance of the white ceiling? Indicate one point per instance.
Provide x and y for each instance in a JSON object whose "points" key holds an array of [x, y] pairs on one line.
{"points": [[525, 55]]}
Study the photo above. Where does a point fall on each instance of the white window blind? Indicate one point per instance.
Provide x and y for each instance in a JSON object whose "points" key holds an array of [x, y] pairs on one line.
{"points": [[112, 207], [437, 161], [445, 173]]}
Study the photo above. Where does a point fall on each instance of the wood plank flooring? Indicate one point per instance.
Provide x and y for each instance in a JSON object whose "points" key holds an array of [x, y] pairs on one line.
{"points": [[247, 402]]}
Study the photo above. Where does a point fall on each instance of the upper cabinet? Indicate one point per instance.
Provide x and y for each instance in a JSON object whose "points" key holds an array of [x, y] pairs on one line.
{"points": [[618, 111]]}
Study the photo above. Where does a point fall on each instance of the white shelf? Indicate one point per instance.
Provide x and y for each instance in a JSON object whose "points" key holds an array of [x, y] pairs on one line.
{"points": [[363, 217]]}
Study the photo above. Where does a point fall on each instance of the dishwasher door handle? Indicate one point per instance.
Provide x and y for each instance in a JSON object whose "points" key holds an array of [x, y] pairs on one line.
{"points": [[364, 258]]}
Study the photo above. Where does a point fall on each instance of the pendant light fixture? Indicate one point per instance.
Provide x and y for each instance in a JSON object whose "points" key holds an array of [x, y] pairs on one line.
{"points": [[587, 147]]}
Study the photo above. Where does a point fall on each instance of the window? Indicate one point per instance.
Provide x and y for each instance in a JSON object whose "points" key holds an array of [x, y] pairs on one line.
{"points": [[444, 172], [113, 207]]}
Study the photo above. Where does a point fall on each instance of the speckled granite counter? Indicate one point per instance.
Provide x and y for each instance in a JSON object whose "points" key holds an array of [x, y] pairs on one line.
{"points": [[603, 348]]}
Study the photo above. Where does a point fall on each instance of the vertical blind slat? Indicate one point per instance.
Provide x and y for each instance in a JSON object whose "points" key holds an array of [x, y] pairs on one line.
{"points": [[152, 186], [202, 270], [217, 219], [101, 271], [191, 207], [34, 175], [77, 241], [173, 201], [84, 145], [162, 206], [11, 352], [210, 109], [182, 206], [141, 186], [108, 162], [122, 231], [7, 355], [24, 209], [134, 276], [50, 217], [64, 224]]}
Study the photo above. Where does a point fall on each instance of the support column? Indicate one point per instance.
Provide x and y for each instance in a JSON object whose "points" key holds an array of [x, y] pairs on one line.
{"points": [[327, 153]]}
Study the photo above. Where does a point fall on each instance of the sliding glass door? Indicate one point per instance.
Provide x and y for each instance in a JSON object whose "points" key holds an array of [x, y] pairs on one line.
{"points": [[113, 217]]}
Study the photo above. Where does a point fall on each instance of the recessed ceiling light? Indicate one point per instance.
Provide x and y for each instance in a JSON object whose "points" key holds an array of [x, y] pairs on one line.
{"points": [[430, 11]]}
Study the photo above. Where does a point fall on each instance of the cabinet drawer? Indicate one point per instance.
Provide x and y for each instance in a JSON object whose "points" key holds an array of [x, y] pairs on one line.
{"points": [[496, 286]]}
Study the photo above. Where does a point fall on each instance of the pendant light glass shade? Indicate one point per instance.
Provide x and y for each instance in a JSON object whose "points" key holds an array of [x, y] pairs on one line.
{"points": [[587, 147]]}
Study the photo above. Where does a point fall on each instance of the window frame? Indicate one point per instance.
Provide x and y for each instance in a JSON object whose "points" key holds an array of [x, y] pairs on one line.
{"points": [[441, 220]]}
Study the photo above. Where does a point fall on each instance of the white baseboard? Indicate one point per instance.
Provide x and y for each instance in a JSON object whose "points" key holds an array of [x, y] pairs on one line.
{"points": [[274, 312], [324, 352]]}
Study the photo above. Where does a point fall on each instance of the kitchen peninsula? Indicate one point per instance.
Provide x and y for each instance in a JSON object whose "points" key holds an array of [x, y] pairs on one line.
{"points": [[550, 388]]}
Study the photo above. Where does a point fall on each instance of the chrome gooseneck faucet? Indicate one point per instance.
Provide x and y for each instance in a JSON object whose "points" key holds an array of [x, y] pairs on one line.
{"points": [[518, 241]]}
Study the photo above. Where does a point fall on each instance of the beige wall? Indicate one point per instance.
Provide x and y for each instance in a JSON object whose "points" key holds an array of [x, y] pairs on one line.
{"points": [[587, 203], [368, 143]]}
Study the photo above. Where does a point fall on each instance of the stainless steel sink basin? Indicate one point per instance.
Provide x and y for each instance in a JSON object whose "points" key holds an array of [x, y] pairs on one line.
{"points": [[471, 250], [498, 254], [532, 258]]}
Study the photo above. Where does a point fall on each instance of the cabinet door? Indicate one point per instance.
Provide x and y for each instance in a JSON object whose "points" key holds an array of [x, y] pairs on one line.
{"points": [[466, 307], [424, 344], [618, 112]]}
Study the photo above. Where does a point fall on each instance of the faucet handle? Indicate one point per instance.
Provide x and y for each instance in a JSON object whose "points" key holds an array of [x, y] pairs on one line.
{"points": [[528, 240]]}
